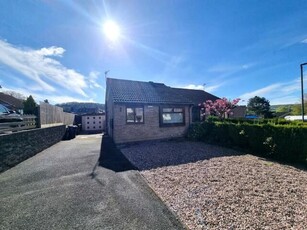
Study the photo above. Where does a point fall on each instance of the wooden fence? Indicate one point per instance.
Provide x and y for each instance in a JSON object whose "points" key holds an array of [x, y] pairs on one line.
{"points": [[29, 122], [50, 115]]}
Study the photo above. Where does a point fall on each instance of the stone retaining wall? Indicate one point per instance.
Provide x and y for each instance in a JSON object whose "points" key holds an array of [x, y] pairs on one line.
{"points": [[19, 146]]}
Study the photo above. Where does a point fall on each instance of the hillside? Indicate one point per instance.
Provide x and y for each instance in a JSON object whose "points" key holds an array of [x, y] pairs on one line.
{"points": [[82, 107], [277, 107]]}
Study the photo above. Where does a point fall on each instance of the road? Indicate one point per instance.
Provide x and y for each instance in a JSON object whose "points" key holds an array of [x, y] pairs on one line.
{"points": [[63, 187]]}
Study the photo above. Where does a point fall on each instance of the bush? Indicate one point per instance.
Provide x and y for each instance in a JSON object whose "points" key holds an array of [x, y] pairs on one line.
{"points": [[270, 139], [273, 121]]}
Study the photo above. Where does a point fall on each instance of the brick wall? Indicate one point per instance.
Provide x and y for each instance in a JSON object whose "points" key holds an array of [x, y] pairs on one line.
{"points": [[109, 116], [150, 130], [19, 146]]}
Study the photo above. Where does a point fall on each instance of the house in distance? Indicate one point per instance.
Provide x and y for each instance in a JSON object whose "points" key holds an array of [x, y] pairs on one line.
{"points": [[93, 123]]}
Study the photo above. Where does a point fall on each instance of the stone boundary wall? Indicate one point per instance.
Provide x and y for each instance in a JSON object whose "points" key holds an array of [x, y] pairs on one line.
{"points": [[19, 146]]}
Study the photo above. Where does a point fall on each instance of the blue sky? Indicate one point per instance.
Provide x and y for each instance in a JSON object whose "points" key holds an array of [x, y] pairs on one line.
{"points": [[57, 50]]}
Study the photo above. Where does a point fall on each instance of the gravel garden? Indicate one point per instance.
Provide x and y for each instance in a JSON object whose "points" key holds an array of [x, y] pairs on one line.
{"points": [[211, 187]]}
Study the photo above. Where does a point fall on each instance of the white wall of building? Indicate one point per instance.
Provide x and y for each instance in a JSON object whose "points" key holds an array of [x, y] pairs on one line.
{"points": [[295, 118], [93, 122]]}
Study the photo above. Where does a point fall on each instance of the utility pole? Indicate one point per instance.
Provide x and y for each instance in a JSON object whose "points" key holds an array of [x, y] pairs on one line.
{"points": [[302, 88], [106, 104]]}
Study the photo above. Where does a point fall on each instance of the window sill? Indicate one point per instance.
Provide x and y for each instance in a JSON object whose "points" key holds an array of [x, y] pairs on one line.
{"points": [[135, 123], [171, 125]]}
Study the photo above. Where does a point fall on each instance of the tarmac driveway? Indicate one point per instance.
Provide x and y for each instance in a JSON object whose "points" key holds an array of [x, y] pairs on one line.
{"points": [[66, 187]]}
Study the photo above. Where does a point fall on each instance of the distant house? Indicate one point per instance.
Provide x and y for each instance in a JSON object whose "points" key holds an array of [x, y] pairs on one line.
{"points": [[93, 122], [137, 111], [296, 118], [11, 102], [238, 112]]}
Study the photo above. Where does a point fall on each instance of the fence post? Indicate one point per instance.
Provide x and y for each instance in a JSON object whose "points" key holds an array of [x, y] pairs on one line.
{"points": [[38, 118]]}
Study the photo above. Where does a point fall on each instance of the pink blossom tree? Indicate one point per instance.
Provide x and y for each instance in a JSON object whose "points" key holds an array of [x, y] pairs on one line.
{"points": [[220, 107]]}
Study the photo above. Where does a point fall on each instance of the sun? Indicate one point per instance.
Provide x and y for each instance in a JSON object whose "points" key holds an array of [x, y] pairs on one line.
{"points": [[111, 30]]}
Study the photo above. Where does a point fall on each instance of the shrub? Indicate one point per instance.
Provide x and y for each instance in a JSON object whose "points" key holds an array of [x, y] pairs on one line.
{"points": [[285, 142]]}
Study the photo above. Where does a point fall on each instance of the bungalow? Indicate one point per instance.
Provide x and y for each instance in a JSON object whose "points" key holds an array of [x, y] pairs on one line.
{"points": [[138, 111]]}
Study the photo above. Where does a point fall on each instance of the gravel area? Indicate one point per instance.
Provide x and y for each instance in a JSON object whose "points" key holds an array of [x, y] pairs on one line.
{"points": [[210, 187], [154, 154]]}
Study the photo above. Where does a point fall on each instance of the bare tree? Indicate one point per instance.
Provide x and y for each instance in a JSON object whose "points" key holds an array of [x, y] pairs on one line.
{"points": [[15, 94]]}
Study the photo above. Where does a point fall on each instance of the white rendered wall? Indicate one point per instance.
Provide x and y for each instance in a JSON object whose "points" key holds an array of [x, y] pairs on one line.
{"points": [[93, 122]]}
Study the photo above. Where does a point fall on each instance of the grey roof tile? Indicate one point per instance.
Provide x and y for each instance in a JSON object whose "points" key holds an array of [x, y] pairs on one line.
{"points": [[196, 96], [127, 91], [10, 101]]}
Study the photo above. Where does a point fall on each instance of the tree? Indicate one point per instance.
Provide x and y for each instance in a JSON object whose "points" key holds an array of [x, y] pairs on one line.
{"points": [[46, 101], [29, 106], [260, 106], [220, 107], [283, 109], [15, 94], [296, 109]]}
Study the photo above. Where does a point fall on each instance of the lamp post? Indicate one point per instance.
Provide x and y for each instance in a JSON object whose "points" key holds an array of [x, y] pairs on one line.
{"points": [[302, 88]]}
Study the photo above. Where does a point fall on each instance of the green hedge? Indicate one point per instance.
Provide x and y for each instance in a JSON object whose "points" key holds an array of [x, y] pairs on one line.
{"points": [[281, 142]]}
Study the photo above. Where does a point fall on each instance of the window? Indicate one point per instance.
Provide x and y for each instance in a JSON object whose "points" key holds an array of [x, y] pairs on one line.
{"points": [[87, 122], [172, 116], [93, 122], [93, 117], [94, 127], [99, 122], [196, 115], [99, 117], [88, 127], [88, 118], [135, 115], [99, 127]]}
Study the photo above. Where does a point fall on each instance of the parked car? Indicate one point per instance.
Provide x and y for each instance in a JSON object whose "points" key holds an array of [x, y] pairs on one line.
{"points": [[7, 115]]}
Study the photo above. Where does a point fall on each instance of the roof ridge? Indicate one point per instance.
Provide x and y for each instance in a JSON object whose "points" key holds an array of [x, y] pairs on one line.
{"points": [[118, 79], [189, 89]]}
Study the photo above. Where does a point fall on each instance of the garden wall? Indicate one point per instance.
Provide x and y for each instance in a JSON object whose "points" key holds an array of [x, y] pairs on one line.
{"points": [[19, 146]]}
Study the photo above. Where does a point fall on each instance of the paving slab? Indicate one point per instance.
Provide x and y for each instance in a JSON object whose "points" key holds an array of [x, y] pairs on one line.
{"points": [[80, 184]]}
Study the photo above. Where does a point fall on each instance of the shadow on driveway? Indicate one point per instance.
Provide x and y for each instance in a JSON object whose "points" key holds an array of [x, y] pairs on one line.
{"points": [[112, 158], [154, 154]]}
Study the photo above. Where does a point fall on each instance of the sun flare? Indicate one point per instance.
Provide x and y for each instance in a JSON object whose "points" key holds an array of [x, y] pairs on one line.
{"points": [[111, 30]]}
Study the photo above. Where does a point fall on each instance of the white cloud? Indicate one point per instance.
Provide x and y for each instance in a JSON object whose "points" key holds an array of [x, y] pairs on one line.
{"points": [[278, 93], [284, 100], [261, 92], [51, 51], [304, 41], [92, 79], [62, 99], [53, 99], [199, 87], [212, 88], [38, 66], [208, 89]]}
